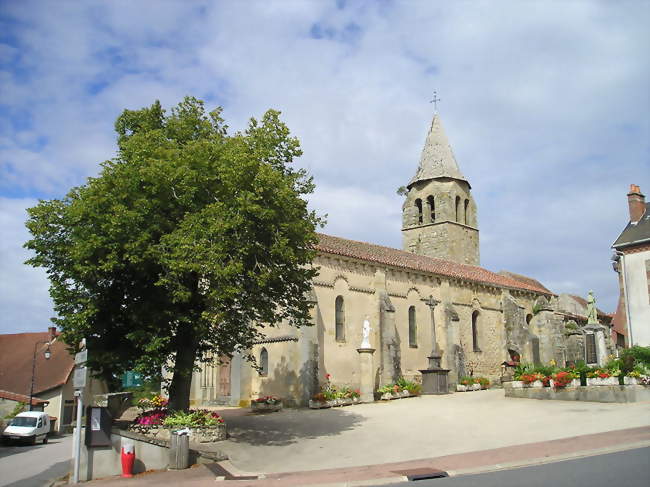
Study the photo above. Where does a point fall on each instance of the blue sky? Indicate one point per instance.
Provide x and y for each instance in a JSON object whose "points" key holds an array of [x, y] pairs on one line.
{"points": [[546, 105]]}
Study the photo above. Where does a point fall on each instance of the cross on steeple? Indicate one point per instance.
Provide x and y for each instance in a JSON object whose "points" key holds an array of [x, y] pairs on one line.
{"points": [[435, 101]]}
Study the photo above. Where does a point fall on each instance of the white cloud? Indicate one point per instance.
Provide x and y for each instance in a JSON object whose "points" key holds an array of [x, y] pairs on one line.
{"points": [[546, 106], [24, 298]]}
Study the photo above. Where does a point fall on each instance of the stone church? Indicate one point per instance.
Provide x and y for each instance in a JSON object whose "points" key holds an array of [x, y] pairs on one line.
{"points": [[431, 295]]}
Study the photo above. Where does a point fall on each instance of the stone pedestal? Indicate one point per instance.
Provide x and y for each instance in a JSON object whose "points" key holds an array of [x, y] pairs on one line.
{"points": [[367, 376], [435, 378]]}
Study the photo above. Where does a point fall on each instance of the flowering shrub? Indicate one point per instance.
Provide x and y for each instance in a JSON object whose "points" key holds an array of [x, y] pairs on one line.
{"points": [[329, 392], [154, 402], [530, 378], [599, 373], [153, 417], [468, 381], [484, 381], [401, 385], [272, 400], [562, 379], [195, 418]]}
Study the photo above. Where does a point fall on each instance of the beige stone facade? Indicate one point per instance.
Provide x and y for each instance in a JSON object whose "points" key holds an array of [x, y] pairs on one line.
{"points": [[480, 318]]}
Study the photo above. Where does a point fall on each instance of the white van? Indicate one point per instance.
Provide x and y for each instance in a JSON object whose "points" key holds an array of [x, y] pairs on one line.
{"points": [[30, 426]]}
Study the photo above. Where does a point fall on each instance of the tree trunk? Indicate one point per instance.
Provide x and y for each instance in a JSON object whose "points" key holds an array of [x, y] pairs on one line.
{"points": [[180, 387]]}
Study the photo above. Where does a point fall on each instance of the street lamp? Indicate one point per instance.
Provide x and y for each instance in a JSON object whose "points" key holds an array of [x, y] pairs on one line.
{"points": [[47, 355]]}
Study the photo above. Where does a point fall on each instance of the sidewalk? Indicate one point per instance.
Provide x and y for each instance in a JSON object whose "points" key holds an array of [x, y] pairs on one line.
{"points": [[458, 464]]}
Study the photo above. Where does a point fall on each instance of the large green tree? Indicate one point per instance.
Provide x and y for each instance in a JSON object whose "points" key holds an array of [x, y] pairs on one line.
{"points": [[186, 245]]}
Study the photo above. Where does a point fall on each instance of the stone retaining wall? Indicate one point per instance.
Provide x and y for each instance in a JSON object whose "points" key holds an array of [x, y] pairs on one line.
{"points": [[586, 393], [150, 454]]}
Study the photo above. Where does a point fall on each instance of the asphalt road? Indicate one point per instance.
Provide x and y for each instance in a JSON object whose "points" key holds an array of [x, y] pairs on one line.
{"points": [[35, 465], [629, 468]]}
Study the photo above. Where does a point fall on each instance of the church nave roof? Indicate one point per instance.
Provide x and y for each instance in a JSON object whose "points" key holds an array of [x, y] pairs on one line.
{"points": [[399, 258]]}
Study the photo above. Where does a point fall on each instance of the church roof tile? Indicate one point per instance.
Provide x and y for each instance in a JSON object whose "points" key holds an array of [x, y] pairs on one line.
{"points": [[399, 258]]}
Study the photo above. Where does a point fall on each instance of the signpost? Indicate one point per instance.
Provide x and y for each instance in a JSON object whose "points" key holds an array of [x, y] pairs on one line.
{"points": [[79, 383]]}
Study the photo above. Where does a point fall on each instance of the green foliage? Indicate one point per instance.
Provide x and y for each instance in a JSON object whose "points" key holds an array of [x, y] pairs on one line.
{"points": [[192, 419], [640, 354], [18, 408], [408, 385], [402, 384], [523, 369], [387, 389], [468, 381], [149, 388], [581, 366], [185, 245], [546, 370], [571, 326]]}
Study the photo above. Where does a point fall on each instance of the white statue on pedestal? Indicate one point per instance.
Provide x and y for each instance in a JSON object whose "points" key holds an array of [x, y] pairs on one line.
{"points": [[365, 342]]}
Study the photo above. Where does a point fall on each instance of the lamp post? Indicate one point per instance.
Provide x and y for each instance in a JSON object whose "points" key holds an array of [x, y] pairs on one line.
{"points": [[47, 355]]}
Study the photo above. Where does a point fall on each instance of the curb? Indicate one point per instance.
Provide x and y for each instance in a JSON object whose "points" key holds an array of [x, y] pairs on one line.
{"points": [[548, 459]]}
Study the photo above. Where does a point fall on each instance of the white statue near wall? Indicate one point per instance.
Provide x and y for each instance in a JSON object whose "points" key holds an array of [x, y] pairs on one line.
{"points": [[365, 342]]}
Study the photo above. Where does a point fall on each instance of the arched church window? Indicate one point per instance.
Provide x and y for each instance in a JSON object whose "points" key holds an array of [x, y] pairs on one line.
{"points": [[466, 212], [413, 328], [340, 319], [264, 362], [432, 208], [475, 331], [458, 209], [418, 205]]}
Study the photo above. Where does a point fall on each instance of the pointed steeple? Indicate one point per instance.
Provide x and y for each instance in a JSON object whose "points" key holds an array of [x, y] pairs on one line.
{"points": [[437, 159]]}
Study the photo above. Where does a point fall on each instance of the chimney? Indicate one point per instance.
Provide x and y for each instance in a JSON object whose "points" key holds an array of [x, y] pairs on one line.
{"points": [[636, 202], [52, 333]]}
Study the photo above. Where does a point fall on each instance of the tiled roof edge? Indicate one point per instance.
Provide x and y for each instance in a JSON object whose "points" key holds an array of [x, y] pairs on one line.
{"points": [[516, 285]]}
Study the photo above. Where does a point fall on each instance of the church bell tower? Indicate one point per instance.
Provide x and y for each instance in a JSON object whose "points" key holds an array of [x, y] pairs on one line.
{"points": [[439, 214]]}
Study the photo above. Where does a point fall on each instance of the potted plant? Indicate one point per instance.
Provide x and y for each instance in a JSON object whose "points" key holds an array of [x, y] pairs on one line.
{"points": [[600, 377], [266, 404], [484, 382], [466, 384], [533, 380], [318, 401]]}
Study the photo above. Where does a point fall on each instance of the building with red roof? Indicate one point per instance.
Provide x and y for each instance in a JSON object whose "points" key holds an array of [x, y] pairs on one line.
{"points": [[53, 390]]}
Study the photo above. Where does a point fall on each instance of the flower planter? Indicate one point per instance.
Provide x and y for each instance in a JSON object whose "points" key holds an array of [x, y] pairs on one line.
{"points": [[631, 381], [152, 431], [405, 394], [538, 384], [476, 387], [517, 384], [597, 381], [263, 407], [555, 385], [318, 404], [461, 388], [345, 401], [208, 434], [204, 434]]}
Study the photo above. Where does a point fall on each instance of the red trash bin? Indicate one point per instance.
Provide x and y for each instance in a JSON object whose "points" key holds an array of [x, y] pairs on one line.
{"points": [[128, 457]]}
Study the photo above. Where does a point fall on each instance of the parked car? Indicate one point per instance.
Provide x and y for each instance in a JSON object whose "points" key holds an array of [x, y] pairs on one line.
{"points": [[31, 426]]}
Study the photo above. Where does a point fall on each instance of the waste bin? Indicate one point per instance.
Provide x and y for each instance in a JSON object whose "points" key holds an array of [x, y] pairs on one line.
{"points": [[179, 451]]}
